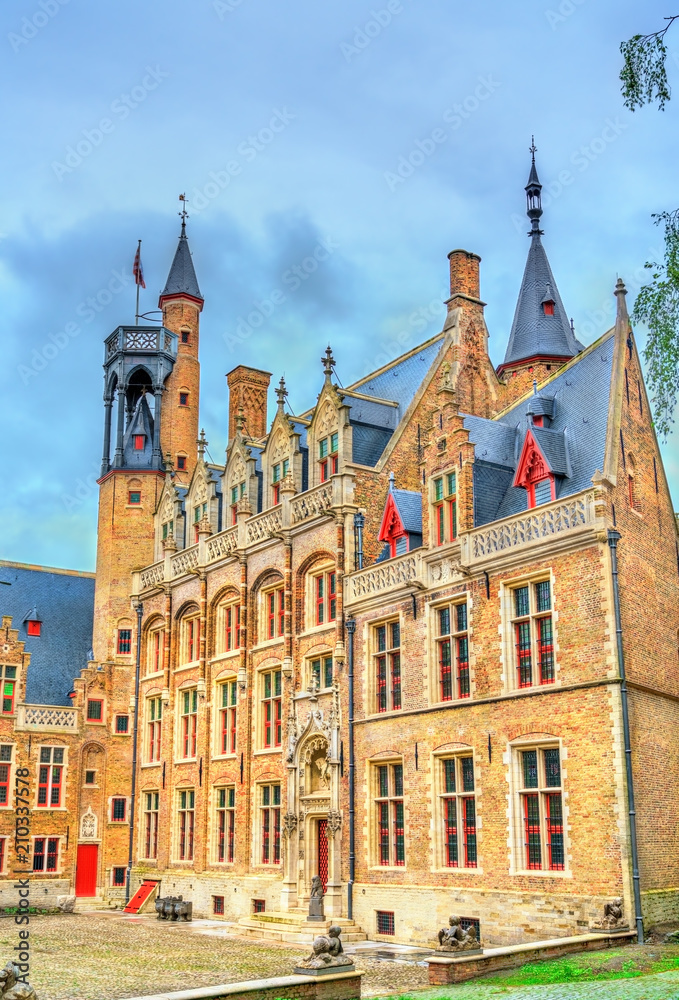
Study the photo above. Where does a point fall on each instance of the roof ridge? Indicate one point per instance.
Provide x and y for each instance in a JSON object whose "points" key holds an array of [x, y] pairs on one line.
{"points": [[46, 569], [396, 361]]}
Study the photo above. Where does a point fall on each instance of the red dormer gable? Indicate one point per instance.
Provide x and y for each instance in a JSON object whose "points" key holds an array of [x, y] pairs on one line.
{"points": [[534, 471], [392, 527]]}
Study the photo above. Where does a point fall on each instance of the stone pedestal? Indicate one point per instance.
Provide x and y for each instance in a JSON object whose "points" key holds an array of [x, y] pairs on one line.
{"points": [[316, 911]]}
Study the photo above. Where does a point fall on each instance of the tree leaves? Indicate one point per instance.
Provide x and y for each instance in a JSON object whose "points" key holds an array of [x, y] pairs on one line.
{"points": [[643, 75]]}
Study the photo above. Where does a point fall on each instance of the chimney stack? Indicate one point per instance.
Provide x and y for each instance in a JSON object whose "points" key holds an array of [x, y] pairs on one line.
{"points": [[248, 392], [464, 274]]}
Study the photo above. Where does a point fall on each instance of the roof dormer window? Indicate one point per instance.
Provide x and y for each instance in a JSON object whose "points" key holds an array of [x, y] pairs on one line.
{"points": [[33, 622], [139, 442]]}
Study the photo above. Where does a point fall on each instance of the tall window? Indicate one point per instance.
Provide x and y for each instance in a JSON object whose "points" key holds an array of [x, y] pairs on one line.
{"points": [[9, 676], [228, 696], [226, 823], [533, 634], [187, 805], [271, 824], [325, 598], [188, 721], [542, 809], [50, 775], [387, 666], [5, 768], [124, 641], [118, 810], [237, 493], [190, 639], [230, 614], [45, 854], [453, 652], [154, 728], [389, 806], [458, 812], [328, 457], [274, 603], [168, 530], [445, 508], [279, 472], [150, 824], [271, 708], [199, 512], [156, 651], [95, 709], [321, 671]]}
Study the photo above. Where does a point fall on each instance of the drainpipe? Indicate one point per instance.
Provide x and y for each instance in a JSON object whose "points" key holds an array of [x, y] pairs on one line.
{"points": [[140, 610], [350, 625], [359, 523], [613, 538]]}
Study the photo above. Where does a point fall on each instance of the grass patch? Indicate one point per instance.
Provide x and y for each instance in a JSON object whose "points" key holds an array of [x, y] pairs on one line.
{"points": [[618, 963]]}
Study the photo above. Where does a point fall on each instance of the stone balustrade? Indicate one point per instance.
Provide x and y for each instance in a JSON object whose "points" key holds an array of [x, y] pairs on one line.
{"points": [[390, 575], [48, 718]]}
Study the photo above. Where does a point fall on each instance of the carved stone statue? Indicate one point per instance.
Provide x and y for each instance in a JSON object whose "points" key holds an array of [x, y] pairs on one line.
{"points": [[614, 918], [12, 988], [454, 938], [326, 953], [316, 911]]}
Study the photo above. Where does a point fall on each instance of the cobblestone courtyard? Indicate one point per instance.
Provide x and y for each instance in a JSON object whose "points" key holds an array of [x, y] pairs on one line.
{"points": [[105, 956]]}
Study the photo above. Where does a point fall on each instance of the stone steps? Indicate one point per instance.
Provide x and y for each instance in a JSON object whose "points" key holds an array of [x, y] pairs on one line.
{"points": [[293, 927], [87, 904]]}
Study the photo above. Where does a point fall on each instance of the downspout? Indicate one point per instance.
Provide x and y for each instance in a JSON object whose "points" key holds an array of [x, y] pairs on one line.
{"points": [[351, 628], [613, 538], [133, 792]]}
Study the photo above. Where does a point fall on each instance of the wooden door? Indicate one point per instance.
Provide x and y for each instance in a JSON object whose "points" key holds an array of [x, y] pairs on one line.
{"points": [[322, 826], [86, 870]]}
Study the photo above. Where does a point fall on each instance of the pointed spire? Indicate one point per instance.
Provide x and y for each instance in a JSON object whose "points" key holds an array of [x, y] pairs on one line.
{"points": [[202, 445], [540, 328], [392, 482], [182, 277], [281, 393], [328, 363]]}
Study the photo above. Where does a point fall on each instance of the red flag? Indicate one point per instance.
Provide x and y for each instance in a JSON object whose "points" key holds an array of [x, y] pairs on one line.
{"points": [[137, 269]]}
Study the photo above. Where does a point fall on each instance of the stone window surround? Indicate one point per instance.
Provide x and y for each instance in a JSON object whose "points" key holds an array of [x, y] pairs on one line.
{"points": [[432, 609], [188, 685], [506, 631], [64, 778], [227, 676], [438, 789], [371, 786], [369, 655], [309, 625]]}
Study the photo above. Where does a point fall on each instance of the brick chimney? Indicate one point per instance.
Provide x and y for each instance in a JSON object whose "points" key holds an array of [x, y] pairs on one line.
{"points": [[464, 274], [248, 391]]}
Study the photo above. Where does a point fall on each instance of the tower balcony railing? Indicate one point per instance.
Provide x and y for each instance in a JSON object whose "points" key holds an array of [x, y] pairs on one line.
{"points": [[141, 338], [46, 718], [291, 514]]}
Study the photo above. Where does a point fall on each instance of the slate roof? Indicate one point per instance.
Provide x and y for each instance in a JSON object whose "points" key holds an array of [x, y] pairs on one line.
{"points": [[409, 505], [368, 442], [573, 444], [401, 380], [182, 276], [65, 603]]}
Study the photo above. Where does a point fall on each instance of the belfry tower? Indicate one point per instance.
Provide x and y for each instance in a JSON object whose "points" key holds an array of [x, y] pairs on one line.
{"points": [[151, 390]]}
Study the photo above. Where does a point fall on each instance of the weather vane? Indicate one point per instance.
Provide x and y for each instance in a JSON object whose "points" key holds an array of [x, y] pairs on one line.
{"points": [[533, 148], [183, 214]]}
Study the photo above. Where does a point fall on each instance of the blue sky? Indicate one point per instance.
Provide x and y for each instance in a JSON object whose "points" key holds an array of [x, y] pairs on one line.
{"points": [[286, 125]]}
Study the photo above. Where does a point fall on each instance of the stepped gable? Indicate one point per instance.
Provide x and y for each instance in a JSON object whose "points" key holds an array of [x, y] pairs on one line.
{"points": [[64, 601]]}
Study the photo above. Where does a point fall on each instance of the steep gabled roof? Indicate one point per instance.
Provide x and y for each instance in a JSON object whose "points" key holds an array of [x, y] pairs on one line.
{"points": [[182, 277]]}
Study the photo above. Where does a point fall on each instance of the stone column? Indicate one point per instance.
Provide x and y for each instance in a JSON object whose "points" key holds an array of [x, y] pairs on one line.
{"points": [[118, 459], [106, 454]]}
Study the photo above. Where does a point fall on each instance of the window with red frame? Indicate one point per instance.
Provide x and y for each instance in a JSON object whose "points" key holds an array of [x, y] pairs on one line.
{"points": [[33, 628], [271, 708], [3, 853], [8, 675], [218, 906], [237, 493], [134, 498], [124, 641], [5, 768], [231, 633], [445, 508], [325, 597], [279, 472], [187, 803], [118, 810], [271, 824], [533, 634], [95, 710], [183, 399], [453, 652], [122, 724], [154, 728], [227, 716], [458, 812], [186, 337], [188, 722], [118, 876], [385, 922], [150, 818], [275, 613], [387, 666], [181, 462], [139, 442], [191, 630], [328, 457], [542, 809], [389, 805], [548, 307], [50, 775], [156, 650], [45, 854], [226, 823]]}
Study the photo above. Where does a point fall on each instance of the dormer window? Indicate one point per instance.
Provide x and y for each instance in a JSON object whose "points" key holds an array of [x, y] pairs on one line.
{"points": [[139, 442], [280, 471], [33, 627], [199, 513], [548, 307], [237, 493], [534, 473], [328, 456], [168, 530], [445, 508]]}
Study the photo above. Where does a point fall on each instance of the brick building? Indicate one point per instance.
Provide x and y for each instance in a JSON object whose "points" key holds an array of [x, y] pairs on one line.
{"points": [[401, 640]]}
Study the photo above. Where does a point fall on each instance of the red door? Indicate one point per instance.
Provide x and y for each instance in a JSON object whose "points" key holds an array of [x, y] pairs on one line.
{"points": [[323, 852], [86, 870]]}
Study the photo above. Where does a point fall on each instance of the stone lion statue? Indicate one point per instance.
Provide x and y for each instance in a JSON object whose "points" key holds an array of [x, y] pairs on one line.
{"points": [[316, 887], [11, 987], [326, 951], [455, 938], [613, 914]]}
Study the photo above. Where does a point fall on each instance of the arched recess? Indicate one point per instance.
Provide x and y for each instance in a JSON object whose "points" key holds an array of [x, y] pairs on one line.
{"points": [[267, 578]]}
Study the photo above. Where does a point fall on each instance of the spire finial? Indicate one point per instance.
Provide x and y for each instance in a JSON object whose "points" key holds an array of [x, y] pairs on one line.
{"points": [[240, 421], [169, 466], [183, 214], [533, 149], [281, 393], [535, 387], [392, 482], [534, 193], [202, 444], [328, 363]]}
